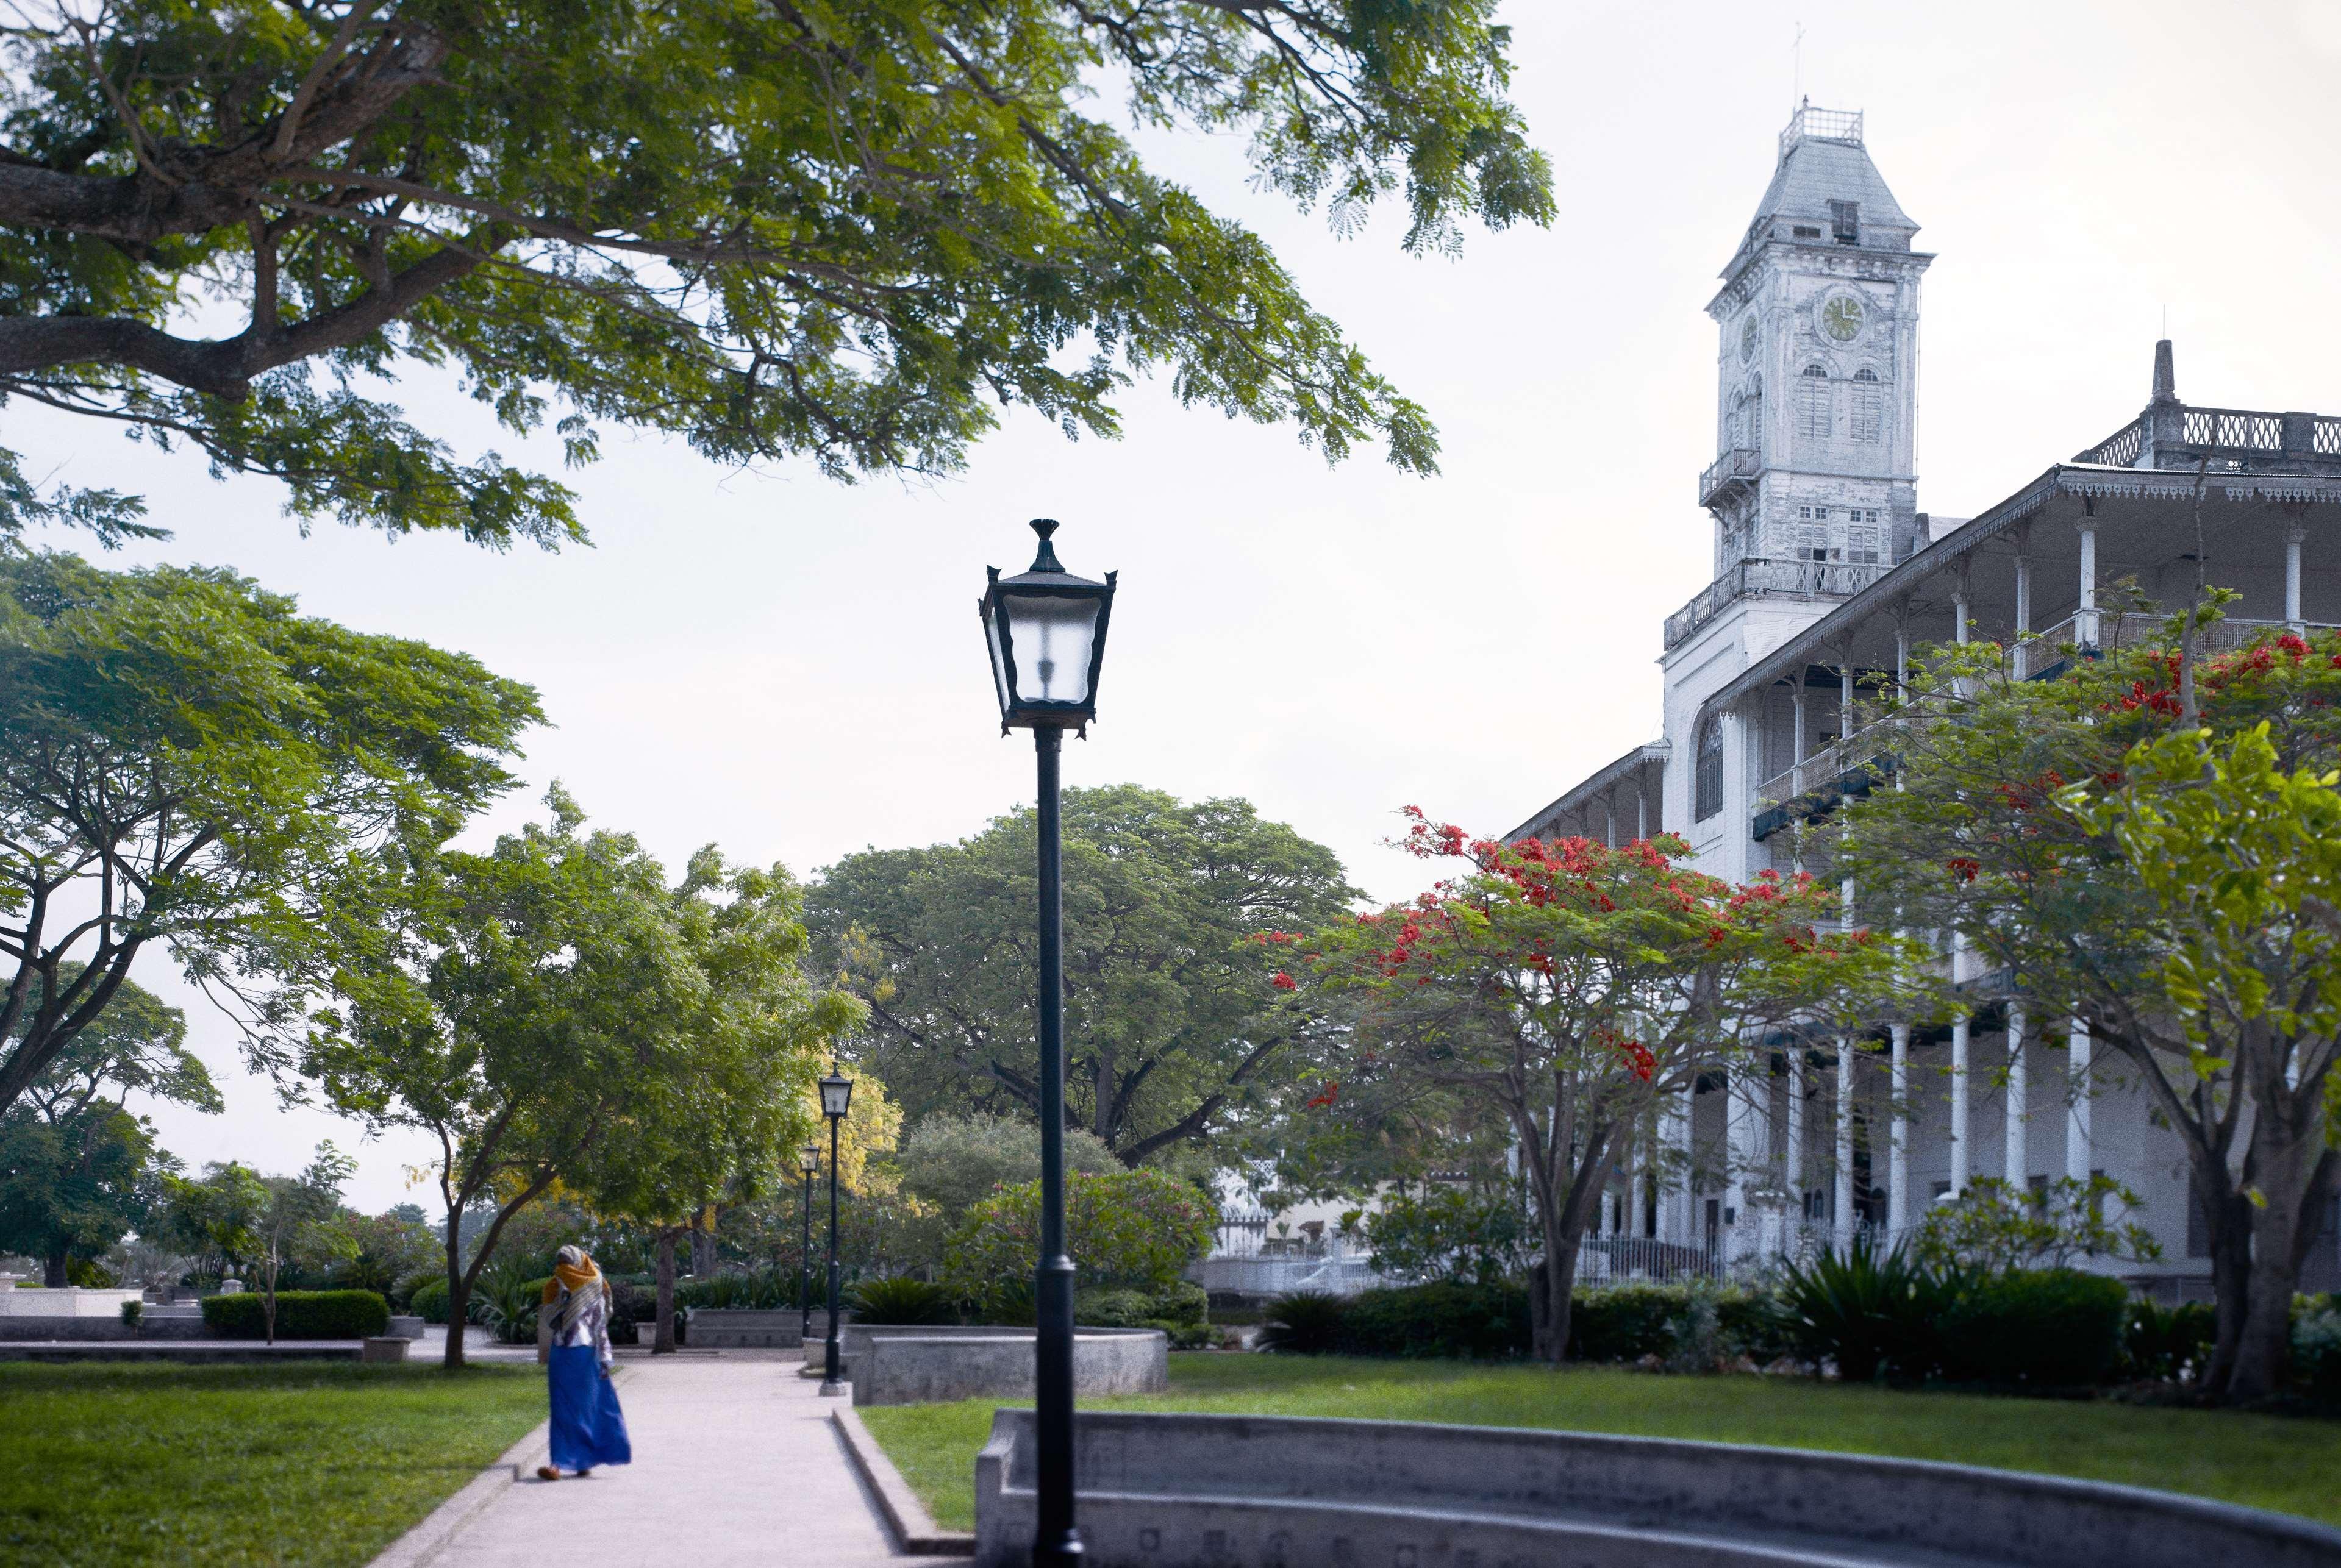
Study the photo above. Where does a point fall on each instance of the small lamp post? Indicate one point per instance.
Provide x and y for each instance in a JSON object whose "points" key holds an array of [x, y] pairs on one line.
{"points": [[1046, 629], [808, 1161], [836, 1095]]}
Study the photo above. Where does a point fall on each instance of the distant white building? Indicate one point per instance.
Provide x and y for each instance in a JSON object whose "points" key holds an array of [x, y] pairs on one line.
{"points": [[1826, 571]]}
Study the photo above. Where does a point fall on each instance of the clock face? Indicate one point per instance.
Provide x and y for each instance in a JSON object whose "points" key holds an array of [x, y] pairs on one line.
{"points": [[1747, 338], [1841, 318]]}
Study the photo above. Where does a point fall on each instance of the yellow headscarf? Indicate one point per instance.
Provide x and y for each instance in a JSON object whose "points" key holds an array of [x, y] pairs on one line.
{"points": [[574, 1282]]}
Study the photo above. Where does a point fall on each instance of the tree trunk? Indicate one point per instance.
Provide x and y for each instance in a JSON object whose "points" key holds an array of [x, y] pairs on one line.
{"points": [[702, 1244], [268, 1300], [53, 1273], [2286, 1162], [459, 1296], [2227, 1217], [662, 1341]]}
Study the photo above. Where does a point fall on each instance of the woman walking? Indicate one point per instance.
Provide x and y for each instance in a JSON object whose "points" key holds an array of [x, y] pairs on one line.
{"points": [[572, 1341]]}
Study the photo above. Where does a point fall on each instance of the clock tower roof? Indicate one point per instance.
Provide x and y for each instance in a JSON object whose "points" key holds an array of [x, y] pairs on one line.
{"points": [[1825, 191]]}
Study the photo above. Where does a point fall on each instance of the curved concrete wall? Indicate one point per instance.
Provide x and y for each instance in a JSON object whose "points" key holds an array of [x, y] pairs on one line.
{"points": [[932, 1365], [1181, 1491]]}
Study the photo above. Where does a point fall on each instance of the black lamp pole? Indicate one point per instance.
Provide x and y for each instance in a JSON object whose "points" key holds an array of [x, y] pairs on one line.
{"points": [[836, 1096], [1057, 1544], [1046, 631]]}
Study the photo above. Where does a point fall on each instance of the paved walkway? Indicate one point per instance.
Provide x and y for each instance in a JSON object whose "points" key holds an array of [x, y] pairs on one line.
{"points": [[735, 1464]]}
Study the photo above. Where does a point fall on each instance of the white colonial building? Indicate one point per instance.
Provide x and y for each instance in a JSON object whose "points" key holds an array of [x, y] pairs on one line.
{"points": [[1826, 572]]}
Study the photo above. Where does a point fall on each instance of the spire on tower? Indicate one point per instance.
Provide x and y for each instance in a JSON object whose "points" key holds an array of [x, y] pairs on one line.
{"points": [[2166, 377]]}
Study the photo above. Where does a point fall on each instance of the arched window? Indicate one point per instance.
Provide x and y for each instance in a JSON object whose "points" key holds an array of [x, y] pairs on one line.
{"points": [[1813, 403], [1706, 776], [1865, 417]]}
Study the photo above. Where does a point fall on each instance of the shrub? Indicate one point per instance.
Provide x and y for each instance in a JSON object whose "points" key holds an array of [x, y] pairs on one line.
{"points": [[2169, 1342], [1452, 1232], [1113, 1308], [1137, 1228], [300, 1314], [1873, 1313], [1444, 1318], [903, 1302], [2316, 1352], [428, 1300], [1188, 1335], [1181, 1303], [403, 1293], [1625, 1322], [2049, 1327], [1304, 1324], [506, 1295], [1997, 1227], [133, 1314]]}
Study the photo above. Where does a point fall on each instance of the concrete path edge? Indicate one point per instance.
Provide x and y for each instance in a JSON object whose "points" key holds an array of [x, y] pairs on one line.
{"points": [[437, 1528], [914, 1527]]}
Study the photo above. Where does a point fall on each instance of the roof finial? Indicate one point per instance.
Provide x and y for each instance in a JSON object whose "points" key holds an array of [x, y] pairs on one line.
{"points": [[1046, 560], [2166, 377]]}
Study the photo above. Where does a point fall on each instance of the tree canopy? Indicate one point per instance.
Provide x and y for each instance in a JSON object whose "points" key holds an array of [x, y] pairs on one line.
{"points": [[842, 229], [1564, 987], [191, 764], [1171, 1031], [2146, 843]]}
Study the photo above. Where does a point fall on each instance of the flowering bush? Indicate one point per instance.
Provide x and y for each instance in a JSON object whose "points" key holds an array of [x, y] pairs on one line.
{"points": [[1132, 1228]]}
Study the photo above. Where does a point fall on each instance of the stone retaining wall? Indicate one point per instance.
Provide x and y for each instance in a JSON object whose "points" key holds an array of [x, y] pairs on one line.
{"points": [[18, 1330], [933, 1365], [742, 1328], [1182, 1491]]}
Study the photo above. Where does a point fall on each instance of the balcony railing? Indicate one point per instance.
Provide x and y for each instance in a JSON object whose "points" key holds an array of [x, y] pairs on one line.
{"points": [[1850, 766], [2232, 438], [1760, 579], [2093, 630], [1737, 466]]}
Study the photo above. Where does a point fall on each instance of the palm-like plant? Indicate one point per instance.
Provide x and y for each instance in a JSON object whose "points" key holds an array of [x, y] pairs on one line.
{"points": [[1876, 1312]]}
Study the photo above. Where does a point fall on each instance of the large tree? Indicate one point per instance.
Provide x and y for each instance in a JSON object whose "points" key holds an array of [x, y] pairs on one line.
{"points": [[1566, 989], [726, 1130], [1170, 1030], [2139, 843], [78, 1169], [191, 765], [837, 229]]}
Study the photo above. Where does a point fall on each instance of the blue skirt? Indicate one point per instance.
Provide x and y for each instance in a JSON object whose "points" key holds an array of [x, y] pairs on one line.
{"points": [[588, 1427]]}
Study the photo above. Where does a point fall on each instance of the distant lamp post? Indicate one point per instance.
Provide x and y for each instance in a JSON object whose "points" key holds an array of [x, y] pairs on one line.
{"points": [[808, 1161], [1046, 629], [836, 1095]]}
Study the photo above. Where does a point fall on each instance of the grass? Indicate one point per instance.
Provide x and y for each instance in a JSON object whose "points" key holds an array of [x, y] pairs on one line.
{"points": [[314, 1464], [2260, 1461]]}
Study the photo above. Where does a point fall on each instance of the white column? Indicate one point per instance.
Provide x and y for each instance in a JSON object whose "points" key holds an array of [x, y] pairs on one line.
{"points": [[1803, 732], [1959, 1105], [2017, 1167], [1842, 1194], [1641, 810], [2292, 576], [1959, 607], [2023, 612], [1608, 824], [1686, 1192], [2085, 624], [1749, 1140], [1898, 1167], [2077, 1120], [1843, 696], [1796, 1164]]}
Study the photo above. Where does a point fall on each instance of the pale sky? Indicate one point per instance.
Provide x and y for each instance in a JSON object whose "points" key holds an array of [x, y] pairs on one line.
{"points": [[792, 668]]}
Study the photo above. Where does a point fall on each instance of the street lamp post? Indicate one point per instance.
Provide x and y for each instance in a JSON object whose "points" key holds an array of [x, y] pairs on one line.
{"points": [[808, 1161], [836, 1094], [1046, 631]]}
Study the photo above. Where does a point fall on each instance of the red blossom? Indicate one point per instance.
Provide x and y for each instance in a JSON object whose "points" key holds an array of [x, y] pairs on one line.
{"points": [[1332, 1091], [1284, 982]]}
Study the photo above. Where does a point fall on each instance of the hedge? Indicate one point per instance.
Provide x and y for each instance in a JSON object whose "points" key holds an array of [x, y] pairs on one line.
{"points": [[2051, 1327], [428, 1300], [300, 1314]]}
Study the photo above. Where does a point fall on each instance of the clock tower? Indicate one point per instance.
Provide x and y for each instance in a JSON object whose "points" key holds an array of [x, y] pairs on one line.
{"points": [[1817, 368]]}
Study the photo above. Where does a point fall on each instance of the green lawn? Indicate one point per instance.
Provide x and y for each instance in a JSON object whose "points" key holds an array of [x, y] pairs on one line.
{"points": [[318, 1464], [2264, 1461]]}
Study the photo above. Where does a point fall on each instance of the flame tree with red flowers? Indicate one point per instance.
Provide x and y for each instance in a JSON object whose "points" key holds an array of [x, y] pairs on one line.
{"points": [[2161, 875], [1573, 988]]}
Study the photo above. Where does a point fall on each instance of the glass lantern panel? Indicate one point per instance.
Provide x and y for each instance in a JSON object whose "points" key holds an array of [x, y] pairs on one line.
{"points": [[1052, 638], [999, 664], [835, 1094]]}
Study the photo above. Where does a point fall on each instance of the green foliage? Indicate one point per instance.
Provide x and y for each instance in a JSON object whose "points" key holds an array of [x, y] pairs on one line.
{"points": [[1137, 1228], [279, 767], [952, 1161], [506, 1296], [133, 1314], [1171, 1031], [1303, 1322], [2043, 1328], [764, 1289], [2169, 1342], [300, 1314], [2316, 1351], [1625, 1322], [903, 1300], [650, 218], [1873, 1313], [1451, 1233], [391, 1250], [1995, 1226], [428, 1300]]}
